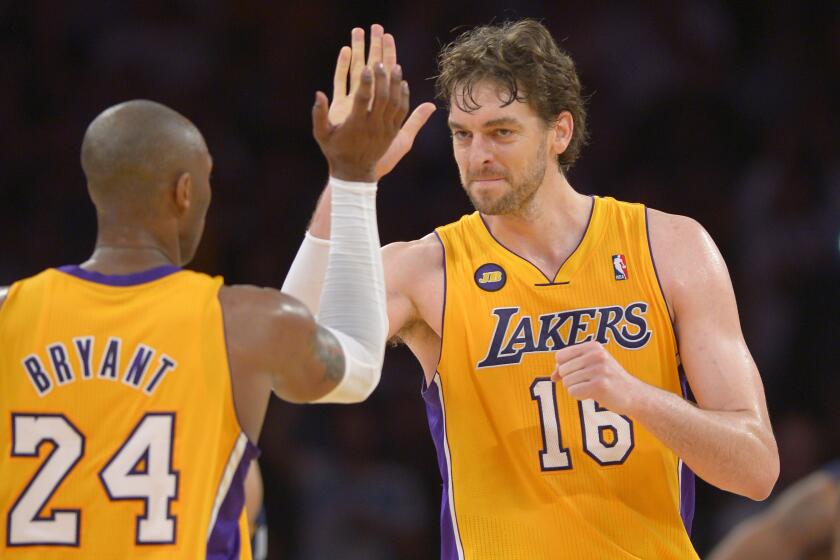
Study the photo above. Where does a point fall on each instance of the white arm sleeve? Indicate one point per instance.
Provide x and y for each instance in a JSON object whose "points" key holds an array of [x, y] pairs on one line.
{"points": [[353, 305], [305, 279]]}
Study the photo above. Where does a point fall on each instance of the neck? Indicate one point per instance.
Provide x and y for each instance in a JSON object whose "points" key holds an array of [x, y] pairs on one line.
{"points": [[549, 228], [127, 252]]}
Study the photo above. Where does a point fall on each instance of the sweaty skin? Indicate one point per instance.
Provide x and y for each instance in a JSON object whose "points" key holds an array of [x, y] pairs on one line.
{"points": [[148, 173], [726, 437]]}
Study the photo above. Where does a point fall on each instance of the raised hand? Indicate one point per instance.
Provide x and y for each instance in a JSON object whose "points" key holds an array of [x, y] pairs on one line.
{"points": [[354, 147], [351, 62]]}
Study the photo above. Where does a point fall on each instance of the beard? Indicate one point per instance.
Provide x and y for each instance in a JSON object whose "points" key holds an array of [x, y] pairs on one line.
{"points": [[517, 196]]}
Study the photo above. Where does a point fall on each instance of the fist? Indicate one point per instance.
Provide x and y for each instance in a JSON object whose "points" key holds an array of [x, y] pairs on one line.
{"points": [[588, 371]]}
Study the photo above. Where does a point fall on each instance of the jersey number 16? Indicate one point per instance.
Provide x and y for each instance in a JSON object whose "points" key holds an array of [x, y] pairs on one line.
{"points": [[607, 436]]}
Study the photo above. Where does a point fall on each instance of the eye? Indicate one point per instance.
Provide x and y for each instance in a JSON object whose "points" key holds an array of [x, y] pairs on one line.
{"points": [[460, 134], [503, 132]]}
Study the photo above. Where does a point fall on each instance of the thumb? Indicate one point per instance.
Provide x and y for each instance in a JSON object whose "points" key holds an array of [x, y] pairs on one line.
{"points": [[320, 120], [417, 120]]}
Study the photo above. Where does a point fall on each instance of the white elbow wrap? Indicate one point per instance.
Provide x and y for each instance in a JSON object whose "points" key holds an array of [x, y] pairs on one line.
{"points": [[305, 279], [361, 372]]}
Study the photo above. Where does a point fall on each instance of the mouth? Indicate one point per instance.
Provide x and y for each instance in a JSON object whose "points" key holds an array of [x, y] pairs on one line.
{"points": [[487, 181]]}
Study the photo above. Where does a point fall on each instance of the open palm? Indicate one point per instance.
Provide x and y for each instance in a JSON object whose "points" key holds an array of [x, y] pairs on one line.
{"points": [[351, 61]]}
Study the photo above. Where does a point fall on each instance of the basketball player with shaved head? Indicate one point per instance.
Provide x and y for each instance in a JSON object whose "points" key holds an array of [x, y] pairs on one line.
{"points": [[558, 332], [132, 390]]}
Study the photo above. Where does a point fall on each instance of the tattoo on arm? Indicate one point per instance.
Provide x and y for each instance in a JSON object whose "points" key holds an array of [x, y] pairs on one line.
{"points": [[329, 352]]}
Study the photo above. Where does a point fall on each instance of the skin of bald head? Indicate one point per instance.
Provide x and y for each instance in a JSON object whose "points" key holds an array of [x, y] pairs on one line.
{"points": [[148, 174]]}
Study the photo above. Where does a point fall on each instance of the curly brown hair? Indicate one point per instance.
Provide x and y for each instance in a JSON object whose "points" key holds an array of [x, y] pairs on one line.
{"points": [[523, 58]]}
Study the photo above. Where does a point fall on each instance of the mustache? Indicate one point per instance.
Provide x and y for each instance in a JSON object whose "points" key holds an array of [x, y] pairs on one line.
{"points": [[485, 174]]}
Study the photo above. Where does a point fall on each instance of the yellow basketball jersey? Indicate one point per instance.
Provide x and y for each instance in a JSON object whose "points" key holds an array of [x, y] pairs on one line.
{"points": [[119, 435], [529, 472]]}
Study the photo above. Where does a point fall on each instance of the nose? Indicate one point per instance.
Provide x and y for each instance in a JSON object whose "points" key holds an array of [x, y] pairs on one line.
{"points": [[480, 152]]}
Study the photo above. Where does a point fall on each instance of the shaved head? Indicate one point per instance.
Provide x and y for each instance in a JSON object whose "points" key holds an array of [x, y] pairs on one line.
{"points": [[147, 168], [137, 145]]}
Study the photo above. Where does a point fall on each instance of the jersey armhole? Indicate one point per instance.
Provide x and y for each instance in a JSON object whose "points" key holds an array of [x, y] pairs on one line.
{"points": [[443, 310], [661, 290]]}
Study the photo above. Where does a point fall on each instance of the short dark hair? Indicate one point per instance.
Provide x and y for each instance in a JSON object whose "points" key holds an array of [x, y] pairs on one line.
{"points": [[523, 58]]}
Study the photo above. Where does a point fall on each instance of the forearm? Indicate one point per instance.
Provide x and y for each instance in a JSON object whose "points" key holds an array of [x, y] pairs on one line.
{"points": [[728, 449]]}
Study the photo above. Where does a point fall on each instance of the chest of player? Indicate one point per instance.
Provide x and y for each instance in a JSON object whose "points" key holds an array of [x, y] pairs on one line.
{"points": [[502, 312]]}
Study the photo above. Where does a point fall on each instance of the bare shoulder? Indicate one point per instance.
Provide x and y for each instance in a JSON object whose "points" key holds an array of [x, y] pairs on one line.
{"points": [[685, 254], [258, 313], [413, 268], [273, 335], [414, 277], [680, 234], [424, 255]]}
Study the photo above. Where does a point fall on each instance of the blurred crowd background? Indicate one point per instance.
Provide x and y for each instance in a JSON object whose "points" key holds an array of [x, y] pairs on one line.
{"points": [[725, 112]]}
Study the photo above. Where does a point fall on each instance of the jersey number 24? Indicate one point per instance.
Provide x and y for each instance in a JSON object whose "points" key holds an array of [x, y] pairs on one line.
{"points": [[141, 469]]}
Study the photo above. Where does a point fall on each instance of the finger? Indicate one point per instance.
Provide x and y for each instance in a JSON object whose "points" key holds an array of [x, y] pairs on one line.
{"points": [[320, 122], [342, 66], [380, 86], [576, 379], [394, 95], [402, 105], [364, 93], [375, 52], [389, 52], [357, 59], [582, 391], [417, 120], [571, 366], [569, 352]]}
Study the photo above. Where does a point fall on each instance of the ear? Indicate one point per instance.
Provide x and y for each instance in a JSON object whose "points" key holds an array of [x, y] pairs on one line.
{"points": [[183, 192], [563, 128]]}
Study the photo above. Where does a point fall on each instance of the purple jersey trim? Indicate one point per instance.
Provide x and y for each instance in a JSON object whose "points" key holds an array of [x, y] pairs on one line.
{"points": [[551, 281], [224, 541], [434, 412], [120, 280], [443, 309], [687, 497], [686, 475]]}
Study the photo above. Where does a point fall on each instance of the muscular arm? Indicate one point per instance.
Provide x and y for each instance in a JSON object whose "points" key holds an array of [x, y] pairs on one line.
{"points": [[272, 334], [798, 521], [726, 439], [274, 344]]}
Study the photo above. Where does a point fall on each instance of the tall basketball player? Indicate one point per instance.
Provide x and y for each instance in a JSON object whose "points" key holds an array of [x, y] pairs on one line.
{"points": [[552, 326], [132, 390]]}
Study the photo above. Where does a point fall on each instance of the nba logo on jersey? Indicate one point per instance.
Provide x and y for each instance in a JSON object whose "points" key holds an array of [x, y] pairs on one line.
{"points": [[620, 267]]}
